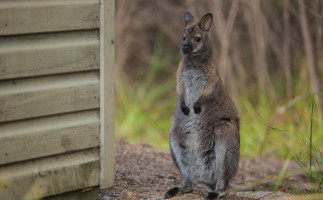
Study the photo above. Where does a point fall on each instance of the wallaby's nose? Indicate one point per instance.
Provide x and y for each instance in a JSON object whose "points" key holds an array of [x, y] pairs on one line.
{"points": [[186, 49]]}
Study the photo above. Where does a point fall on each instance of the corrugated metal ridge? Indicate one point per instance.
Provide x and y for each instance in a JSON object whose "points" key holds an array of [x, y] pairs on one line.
{"points": [[48, 82], [45, 41], [46, 123], [43, 3], [34, 167]]}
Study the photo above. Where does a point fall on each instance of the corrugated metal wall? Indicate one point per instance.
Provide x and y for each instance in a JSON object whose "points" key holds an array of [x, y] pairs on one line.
{"points": [[49, 97]]}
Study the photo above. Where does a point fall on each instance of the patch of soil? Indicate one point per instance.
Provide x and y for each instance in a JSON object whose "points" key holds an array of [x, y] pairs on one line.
{"points": [[142, 172]]}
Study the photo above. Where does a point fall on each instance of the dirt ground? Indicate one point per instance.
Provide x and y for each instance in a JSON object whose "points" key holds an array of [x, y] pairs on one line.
{"points": [[142, 172]]}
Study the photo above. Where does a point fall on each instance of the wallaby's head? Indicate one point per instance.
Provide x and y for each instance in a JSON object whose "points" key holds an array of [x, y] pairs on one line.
{"points": [[196, 35]]}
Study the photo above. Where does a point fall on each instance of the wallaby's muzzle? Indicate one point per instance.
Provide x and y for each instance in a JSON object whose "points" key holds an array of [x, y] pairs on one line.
{"points": [[186, 49]]}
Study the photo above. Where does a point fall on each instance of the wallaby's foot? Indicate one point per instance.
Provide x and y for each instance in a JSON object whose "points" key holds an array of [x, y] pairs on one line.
{"points": [[215, 196], [171, 193], [211, 196], [185, 109], [176, 190], [197, 108]]}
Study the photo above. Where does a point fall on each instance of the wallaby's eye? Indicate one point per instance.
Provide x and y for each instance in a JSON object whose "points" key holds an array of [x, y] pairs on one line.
{"points": [[197, 39], [184, 38]]}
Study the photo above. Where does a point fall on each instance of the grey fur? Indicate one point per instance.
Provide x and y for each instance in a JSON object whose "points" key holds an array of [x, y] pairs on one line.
{"points": [[194, 81], [204, 146]]}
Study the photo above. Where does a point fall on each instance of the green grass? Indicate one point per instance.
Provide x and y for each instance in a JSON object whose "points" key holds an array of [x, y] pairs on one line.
{"points": [[145, 108], [309, 158], [259, 125], [312, 160], [282, 174]]}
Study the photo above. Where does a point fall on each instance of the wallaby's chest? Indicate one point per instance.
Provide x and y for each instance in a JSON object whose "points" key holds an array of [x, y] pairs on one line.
{"points": [[194, 81]]}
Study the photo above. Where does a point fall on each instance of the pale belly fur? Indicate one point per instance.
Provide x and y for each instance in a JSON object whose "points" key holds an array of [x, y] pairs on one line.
{"points": [[194, 81], [190, 159]]}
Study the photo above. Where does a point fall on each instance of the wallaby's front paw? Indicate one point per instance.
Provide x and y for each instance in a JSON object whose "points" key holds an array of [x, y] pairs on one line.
{"points": [[197, 108], [171, 193], [185, 109]]}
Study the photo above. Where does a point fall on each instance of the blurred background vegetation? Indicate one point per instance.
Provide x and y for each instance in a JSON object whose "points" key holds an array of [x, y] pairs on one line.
{"points": [[269, 55]]}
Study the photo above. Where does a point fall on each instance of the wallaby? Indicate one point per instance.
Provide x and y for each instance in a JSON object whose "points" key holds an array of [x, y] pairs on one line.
{"points": [[204, 137]]}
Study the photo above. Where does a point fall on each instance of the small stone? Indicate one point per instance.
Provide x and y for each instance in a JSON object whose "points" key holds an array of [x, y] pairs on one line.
{"points": [[106, 198]]}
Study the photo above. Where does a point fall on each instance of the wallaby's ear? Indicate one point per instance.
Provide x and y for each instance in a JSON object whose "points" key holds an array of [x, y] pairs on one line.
{"points": [[206, 22], [188, 18]]}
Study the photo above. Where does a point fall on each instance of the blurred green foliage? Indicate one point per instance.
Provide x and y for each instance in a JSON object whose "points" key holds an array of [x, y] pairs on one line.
{"points": [[145, 108]]}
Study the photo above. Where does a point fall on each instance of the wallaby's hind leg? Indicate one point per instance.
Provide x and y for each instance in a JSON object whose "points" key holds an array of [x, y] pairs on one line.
{"points": [[186, 187], [186, 181], [221, 170], [187, 184], [222, 182], [211, 195], [214, 195], [226, 154]]}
